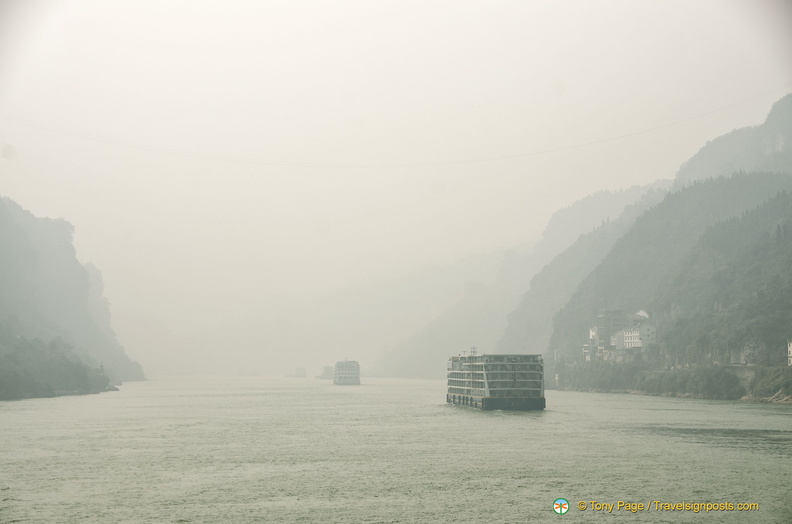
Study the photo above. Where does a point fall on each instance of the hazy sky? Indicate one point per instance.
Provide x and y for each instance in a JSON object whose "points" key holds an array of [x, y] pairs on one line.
{"points": [[221, 160]]}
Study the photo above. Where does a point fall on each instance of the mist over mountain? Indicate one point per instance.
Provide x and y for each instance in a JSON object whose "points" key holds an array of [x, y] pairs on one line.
{"points": [[530, 323], [719, 296], [711, 266], [648, 256], [546, 298], [628, 278], [631, 274], [612, 249], [363, 321], [766, 147], [480, 317], [48, 298]]}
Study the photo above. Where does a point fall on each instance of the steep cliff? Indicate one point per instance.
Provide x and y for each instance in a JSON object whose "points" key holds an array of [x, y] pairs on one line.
{"points": [[47, 297]]}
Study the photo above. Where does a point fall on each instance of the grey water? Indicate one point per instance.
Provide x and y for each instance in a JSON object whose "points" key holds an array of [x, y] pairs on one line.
{"points": [[278, 450]]}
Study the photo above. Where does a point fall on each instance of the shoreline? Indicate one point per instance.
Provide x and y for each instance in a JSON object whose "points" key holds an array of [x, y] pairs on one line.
{"points": [[778, 398]]}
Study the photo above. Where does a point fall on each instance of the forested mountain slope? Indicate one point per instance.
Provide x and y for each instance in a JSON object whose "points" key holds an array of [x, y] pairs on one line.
{"points": [[530, 324], [729, 301], [632, 273]]}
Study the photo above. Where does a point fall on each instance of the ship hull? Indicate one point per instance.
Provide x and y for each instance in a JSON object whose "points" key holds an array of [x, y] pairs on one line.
{"points": [[346, 382], [510, 404]]}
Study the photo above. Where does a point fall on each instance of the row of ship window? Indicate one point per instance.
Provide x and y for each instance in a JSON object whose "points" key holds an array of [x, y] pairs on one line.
{"points": [[498, 367], [496, 377], [501, 393], [461, 388], [490, 380], [496, 385]]}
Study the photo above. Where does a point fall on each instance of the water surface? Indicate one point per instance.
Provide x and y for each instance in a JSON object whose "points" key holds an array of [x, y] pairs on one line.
{"points": [[280, 450]]}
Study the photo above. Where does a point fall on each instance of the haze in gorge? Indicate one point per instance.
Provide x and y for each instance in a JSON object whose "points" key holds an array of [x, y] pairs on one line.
{"points": [[272, 185]]}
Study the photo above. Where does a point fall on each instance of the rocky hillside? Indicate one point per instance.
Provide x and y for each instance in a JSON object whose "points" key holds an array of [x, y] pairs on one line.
{"points": [[52, 309]]}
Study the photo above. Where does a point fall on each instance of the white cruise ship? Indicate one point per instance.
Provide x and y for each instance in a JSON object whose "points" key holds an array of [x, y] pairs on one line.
{"points": [[497, 381], [347, 373]]}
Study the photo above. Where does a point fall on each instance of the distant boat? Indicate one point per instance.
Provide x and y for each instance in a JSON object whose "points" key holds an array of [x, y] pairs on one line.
{"points": [[497, 381], [346, 373]]}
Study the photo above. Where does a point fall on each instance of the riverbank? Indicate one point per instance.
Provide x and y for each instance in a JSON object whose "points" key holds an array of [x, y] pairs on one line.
{"points": [[772, 384], [779, 398]]}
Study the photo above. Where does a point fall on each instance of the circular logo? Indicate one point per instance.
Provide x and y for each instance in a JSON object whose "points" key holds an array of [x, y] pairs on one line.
{"points": [[560, 506]]}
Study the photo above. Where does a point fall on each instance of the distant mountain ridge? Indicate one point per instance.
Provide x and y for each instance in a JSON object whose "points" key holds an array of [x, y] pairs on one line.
{"points": [[711, 263], [480, 317], [766, 147], [721, 181], [558, 289], [530, 323]]}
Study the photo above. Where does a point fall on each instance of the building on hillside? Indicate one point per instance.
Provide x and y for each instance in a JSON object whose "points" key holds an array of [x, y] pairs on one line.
{"points": [[591, 352], [634, 337], [609, 322], [618, 337], [626, 339], [648, 333], [789, 353]]}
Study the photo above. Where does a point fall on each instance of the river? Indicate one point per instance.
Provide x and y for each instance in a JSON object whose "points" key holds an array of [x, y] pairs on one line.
{"points": [[284, 450]]}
